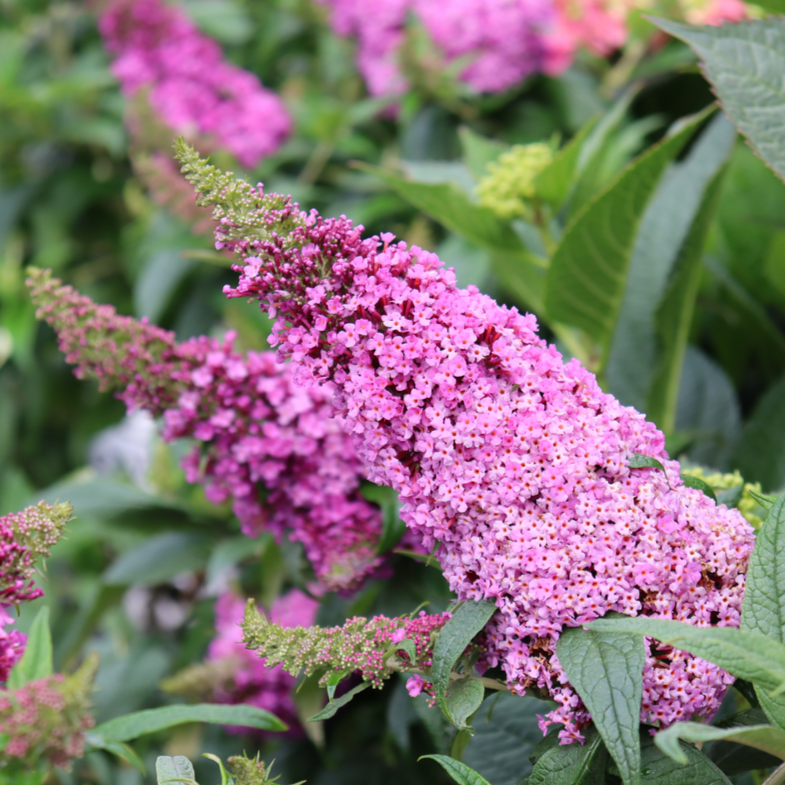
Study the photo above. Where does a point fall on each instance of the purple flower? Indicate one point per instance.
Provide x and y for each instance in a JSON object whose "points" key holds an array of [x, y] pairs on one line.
{"points": [[513, 462]]}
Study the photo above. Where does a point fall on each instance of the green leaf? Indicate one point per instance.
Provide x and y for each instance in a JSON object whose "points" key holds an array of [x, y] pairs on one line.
{"points": [[554, 183], [775, 6], [588, 273], [700, 485], [639, 461], [674, 316], [173, 769], [760, 452], [131, 726], [122, 751], [659, 769], [606, 668], [762, 737], [731, 497], [36, 662], [506, 730], [764, 499], [746, 654], [745, 62], [573, 764], [160, 558], [460, 772], [733, 758], [469, 618], [332, 707], [478, 152], [463, 698], [632, 360], [763, 609]]}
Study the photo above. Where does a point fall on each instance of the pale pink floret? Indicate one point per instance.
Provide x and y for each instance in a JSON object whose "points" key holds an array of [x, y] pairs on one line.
{"points": [[191, 86], [513, 461]]}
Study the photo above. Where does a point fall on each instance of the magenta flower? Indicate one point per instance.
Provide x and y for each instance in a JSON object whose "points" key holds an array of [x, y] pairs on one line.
{"points": [[514, 462], [193, 89], [251, 425]]}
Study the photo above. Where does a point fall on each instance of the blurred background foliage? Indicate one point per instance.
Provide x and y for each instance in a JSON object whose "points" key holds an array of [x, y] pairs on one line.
{"points": [[137, 577]]}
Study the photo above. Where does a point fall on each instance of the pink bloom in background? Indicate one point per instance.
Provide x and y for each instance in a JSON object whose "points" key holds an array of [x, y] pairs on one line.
{"points": [[253, 681], [252, 426], [194, 90], [514, 462], [502, 41]]}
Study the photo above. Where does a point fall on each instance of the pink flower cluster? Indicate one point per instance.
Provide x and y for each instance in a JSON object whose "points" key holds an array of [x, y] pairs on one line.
{"points": [[359, 645], [252, 425], [193, 89], [513, 461], [24, 537], [503, 40], [48, 718], [253, 681]]}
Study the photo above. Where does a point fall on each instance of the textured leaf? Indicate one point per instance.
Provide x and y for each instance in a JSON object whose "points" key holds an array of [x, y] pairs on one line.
{"points": [[588, 273], [733, 758], [606, 668], [762, 737], [760, 452], [506, 731], [469, 618], [168, 769], [332, 707], [463, 698], [745, 63], [36, 662], [460, 772], [674, 316], [744, 653], [700, 485], [131, 726], [573, 764], [632, 360], [659, 769]]}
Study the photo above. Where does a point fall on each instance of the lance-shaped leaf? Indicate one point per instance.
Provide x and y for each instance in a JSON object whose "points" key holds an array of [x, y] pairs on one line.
{"points": [[588, 273], [464, 697], [745, 63], [606, 668], [131, 726], [632, 361], [460, 772], [674, 316], [573, 764], [332, 707], [762, 737], [746, 654], [662, 770], [734, 758], [469, 618]]}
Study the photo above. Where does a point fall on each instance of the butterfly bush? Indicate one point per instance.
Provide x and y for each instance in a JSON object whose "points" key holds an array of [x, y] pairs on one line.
{"points": [[48, 718], [504, 41], [25, 537], [251, 423], [513, 462], [194, 90]]}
